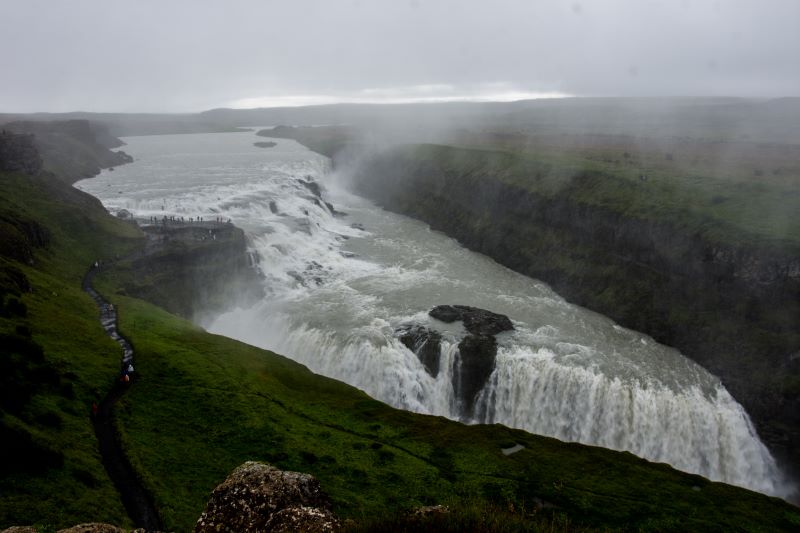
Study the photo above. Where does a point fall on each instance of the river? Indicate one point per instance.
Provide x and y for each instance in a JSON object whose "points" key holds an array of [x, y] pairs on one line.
{"points": [[338, 286]]}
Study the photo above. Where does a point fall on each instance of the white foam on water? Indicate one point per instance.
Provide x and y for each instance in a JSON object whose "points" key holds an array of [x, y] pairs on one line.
{"points": [[336, 294]]}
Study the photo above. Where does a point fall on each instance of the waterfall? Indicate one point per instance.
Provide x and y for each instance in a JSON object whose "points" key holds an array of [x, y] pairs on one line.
{"points": [[341, 279]]}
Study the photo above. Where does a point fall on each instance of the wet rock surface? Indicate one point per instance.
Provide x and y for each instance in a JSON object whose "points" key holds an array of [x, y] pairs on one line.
{"points": [[424, 342], [476, 321], [260, 497], [474, 365], [477, 351], [312, 186]]}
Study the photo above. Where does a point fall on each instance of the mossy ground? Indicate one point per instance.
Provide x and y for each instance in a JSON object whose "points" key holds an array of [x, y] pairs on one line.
{"points": [[203, 404]]}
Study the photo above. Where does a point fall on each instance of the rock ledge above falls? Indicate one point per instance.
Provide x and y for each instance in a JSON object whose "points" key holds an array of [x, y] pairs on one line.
{"points": [[477, 351], [476, 321]]}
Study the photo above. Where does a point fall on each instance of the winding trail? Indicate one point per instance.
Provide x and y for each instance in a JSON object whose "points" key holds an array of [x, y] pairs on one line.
{"points": [[137, 501]]}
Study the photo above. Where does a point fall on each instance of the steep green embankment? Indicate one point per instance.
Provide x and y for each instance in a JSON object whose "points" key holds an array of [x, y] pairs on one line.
{"points": [[709, 266], [204, 404], [54, 356]]}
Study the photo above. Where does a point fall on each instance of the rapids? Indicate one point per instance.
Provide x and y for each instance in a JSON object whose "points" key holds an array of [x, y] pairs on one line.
{"points": [[339, 285]]}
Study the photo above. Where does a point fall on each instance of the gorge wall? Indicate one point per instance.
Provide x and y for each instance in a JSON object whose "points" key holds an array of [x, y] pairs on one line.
{"points": [[192, 269], [732, 308]]}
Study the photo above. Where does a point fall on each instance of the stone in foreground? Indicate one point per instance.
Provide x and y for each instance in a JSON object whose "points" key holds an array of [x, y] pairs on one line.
{"points": [[96, 527], [260, 497]]}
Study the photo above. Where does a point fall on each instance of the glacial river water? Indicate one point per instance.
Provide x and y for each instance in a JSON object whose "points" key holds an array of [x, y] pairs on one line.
{"points": [[338, 287]]}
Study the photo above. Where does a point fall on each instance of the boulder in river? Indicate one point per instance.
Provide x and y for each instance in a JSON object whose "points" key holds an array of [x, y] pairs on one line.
{"points": [[477, 351], [312, 186], [474, 364], [476, 321], [424, 342]]}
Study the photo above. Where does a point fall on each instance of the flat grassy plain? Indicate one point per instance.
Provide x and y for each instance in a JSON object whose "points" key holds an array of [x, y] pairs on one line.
{"points": [[203, 404]]}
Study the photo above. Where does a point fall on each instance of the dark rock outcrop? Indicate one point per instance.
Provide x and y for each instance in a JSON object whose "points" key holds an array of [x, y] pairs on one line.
{"points": [[195, 268], [18, 153], [424, 342], [268, 144], [259, 497], [72, 149], [312, 186], [20, 236], [477, 351], [474, 365], [476, 321]]}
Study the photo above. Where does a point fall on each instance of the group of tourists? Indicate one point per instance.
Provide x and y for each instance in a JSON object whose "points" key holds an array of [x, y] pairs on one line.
{"points": [[164, 220], [125, 374]]}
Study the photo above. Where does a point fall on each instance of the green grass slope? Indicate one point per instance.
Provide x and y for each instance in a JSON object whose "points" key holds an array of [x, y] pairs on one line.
{"points": [[54, 356], [205, 404]]}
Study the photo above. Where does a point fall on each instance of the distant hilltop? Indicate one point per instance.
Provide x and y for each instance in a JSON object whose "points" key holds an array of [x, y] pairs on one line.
{"points": [[71, 149]]}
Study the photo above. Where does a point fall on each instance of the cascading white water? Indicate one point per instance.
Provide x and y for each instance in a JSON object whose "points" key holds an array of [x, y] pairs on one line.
{"points": [[339, 286]]}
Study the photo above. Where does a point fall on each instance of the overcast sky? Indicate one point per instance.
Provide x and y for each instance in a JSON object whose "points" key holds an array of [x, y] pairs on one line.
{"points": [[148, 55]]}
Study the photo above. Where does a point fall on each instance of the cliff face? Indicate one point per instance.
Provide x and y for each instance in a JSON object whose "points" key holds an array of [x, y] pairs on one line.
{"points": [[18, 153], [191, 269], [72, 149], [732, 308]]}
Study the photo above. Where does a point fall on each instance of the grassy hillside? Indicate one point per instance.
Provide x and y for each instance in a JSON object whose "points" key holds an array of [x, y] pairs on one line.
{"points": [[54, 356], [205, 403]]}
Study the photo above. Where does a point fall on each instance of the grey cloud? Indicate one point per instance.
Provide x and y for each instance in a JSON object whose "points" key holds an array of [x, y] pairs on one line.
{"points": [[192, 55]]}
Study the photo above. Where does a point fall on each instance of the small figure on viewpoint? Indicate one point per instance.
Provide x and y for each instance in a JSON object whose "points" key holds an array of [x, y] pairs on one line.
{"points": [[94, 410]]}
